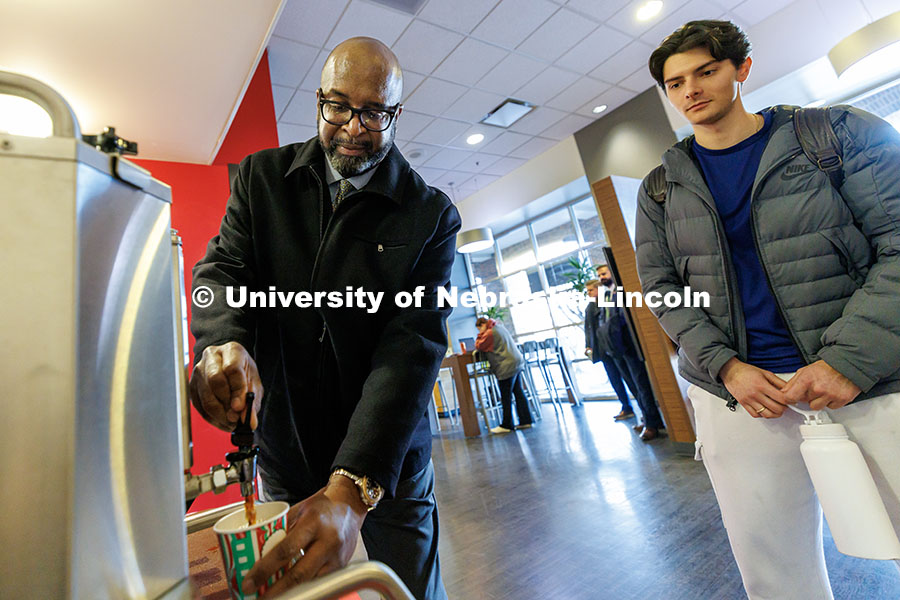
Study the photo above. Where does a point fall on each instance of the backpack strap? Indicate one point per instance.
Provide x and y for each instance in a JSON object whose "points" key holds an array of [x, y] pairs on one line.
{"points": [[819, 142], [656, 184]]}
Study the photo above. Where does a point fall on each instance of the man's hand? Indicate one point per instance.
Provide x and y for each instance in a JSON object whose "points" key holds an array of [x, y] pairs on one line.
{"points": [[758, 391], [220, 382], [325, 527], [821, 386]]}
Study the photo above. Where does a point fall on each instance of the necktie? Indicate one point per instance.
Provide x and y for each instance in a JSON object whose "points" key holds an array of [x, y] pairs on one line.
{"points": [[345, 188], [606, 296]]}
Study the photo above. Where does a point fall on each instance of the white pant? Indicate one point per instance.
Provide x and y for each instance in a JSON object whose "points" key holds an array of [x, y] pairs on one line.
{"points": [[768, 504]]}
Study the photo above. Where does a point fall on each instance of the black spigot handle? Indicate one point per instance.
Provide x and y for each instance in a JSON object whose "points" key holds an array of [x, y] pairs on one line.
{"points": [[242, 435]]}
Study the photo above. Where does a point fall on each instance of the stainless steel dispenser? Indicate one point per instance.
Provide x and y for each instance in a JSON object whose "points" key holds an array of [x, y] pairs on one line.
{"points": [[91, 454]]}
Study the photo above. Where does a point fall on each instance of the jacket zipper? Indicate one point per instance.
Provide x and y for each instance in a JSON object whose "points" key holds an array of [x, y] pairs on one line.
{"points": [[781, 310]]}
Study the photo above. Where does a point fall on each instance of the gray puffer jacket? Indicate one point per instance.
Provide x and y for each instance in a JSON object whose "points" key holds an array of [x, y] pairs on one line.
{"points": [[832, 259]]}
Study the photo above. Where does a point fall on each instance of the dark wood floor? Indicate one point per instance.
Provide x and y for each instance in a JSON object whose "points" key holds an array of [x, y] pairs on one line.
{"points": [[579, 508]]}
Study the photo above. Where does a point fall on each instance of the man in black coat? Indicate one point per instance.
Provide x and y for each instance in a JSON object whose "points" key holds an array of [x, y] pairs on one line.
{"points": [[338, 233], [596, 344]]}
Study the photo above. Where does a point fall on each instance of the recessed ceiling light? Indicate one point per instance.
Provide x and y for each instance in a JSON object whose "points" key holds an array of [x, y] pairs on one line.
{"points": [[507, 113], [475, 138], [649, 10], [599, 109]]}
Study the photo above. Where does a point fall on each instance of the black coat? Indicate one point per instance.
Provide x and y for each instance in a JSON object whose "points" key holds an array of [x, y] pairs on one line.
{"points": [[343, 387], [604, 330]]}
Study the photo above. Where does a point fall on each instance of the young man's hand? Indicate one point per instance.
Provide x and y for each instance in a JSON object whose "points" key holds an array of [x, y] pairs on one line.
{"points": [[757, 390], [322, 532], [820, 385]]}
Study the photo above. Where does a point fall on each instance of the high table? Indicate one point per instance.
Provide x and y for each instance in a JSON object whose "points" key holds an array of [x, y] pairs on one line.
{"points": [[459, 365]]}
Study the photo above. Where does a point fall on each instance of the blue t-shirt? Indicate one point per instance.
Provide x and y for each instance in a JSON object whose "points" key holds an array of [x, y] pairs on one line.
{"points": [[729, 174]]}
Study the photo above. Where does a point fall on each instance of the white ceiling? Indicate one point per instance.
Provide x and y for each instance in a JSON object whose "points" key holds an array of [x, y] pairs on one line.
{"points": [[168, 74], [461, 58]]}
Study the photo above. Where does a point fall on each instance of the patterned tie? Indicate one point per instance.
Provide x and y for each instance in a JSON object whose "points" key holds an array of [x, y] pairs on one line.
{"points": [[606, 296], [343, 190]]}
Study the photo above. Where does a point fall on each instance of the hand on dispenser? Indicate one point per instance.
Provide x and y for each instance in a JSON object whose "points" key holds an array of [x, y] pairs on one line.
{"points": [[760, 392], [820, 385], [220, 382], [322, 531]]}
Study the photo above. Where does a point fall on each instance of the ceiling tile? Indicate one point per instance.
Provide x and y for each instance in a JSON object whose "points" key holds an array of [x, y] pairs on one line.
{"points": [[626, 21], [411, 81], [626, 61], [638, 81], [441, 131], [537, 120], [281, 95], [546, 85], [447, 158], [512, 21], [613, 98], [372, 20], [477, 162], [506, 143], [533, 147], [410, 123], [478, 182], [754, 11], [473, 106], [434, 96], [577, 94], [459, 15], [488, 131], [469, 62], [309, 21], [692, 11], [561, 31], [289, 61], [513, 72], [451, 181], [566, 127], [728, 4], [313, 78], [429, 174], [417, 152], [301, 110], [423, 46], [600, 11], [593, 50], [288, 133], [504, 166]]}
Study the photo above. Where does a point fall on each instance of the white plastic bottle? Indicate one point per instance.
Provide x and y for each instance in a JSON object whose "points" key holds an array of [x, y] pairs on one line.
{"points": [[852, 505]]}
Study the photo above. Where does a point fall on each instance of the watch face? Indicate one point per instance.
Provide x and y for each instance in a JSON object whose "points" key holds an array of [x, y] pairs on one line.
{"points": [[372, 490]]}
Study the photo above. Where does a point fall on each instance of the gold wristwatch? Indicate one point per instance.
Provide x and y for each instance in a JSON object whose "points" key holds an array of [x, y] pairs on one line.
{"points": [[369, 491]]}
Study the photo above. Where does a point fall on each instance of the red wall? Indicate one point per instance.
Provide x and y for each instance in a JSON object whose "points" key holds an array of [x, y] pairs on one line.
{"points": [[199, 194]]}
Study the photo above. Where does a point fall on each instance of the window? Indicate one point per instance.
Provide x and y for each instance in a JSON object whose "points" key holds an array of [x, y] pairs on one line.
{"points": [[516, 250]]}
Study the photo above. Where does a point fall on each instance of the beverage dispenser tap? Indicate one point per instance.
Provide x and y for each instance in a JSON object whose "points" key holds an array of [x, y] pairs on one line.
{"points": [[241, 466]]}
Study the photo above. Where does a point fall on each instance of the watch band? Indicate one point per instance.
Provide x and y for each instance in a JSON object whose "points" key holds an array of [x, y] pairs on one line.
{"points": [[369, 491]]}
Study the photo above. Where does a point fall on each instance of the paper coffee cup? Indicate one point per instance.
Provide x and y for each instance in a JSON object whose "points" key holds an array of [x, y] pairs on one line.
{"points": [[242, 544]]}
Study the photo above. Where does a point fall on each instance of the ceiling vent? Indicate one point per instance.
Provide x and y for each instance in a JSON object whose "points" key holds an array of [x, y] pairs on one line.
{"points": [[410, 7], [508, 113]]}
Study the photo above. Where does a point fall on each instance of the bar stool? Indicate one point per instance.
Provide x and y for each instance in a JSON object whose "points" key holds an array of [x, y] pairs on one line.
{"points": [[531, 352], [489, 402], [530, 392], [553, 356], [450, 408]]}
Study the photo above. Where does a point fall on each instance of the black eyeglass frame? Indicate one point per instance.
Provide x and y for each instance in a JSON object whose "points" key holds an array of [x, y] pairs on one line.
{"points": [[357, 112]]}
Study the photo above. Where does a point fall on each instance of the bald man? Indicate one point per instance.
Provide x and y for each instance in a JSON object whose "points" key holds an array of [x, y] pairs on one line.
{"points": [[341, 391]]}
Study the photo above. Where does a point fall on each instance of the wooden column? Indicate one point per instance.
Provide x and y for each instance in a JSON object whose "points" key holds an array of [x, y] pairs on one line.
{"points": [[659, 352]]}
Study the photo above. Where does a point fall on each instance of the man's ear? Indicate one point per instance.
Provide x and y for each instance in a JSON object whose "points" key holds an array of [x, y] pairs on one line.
{"points": [[743, 72]]}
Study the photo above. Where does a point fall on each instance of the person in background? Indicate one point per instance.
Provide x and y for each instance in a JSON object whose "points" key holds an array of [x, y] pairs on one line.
{"points": [[621, 348], [804, 280], [596, 344], [343, 431], [506, 364]]}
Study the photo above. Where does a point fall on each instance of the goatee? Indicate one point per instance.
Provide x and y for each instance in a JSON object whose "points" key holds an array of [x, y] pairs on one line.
{"points": [[350, 166]]}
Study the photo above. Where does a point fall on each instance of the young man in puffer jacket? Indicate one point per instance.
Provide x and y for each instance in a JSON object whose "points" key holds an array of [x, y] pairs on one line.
{"points": [[804, 280]]}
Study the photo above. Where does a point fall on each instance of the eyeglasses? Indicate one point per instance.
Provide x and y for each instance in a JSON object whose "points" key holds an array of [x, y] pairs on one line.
{"points": [[337, 113]]}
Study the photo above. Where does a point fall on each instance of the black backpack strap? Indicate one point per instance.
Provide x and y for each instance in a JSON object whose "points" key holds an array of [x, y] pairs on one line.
{"points": [[819, 142], [656, 184]]}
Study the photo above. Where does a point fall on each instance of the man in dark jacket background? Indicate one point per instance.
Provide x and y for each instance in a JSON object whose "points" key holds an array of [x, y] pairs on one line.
{"points": [[341, 389], [804, 281], [605, 328]]}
